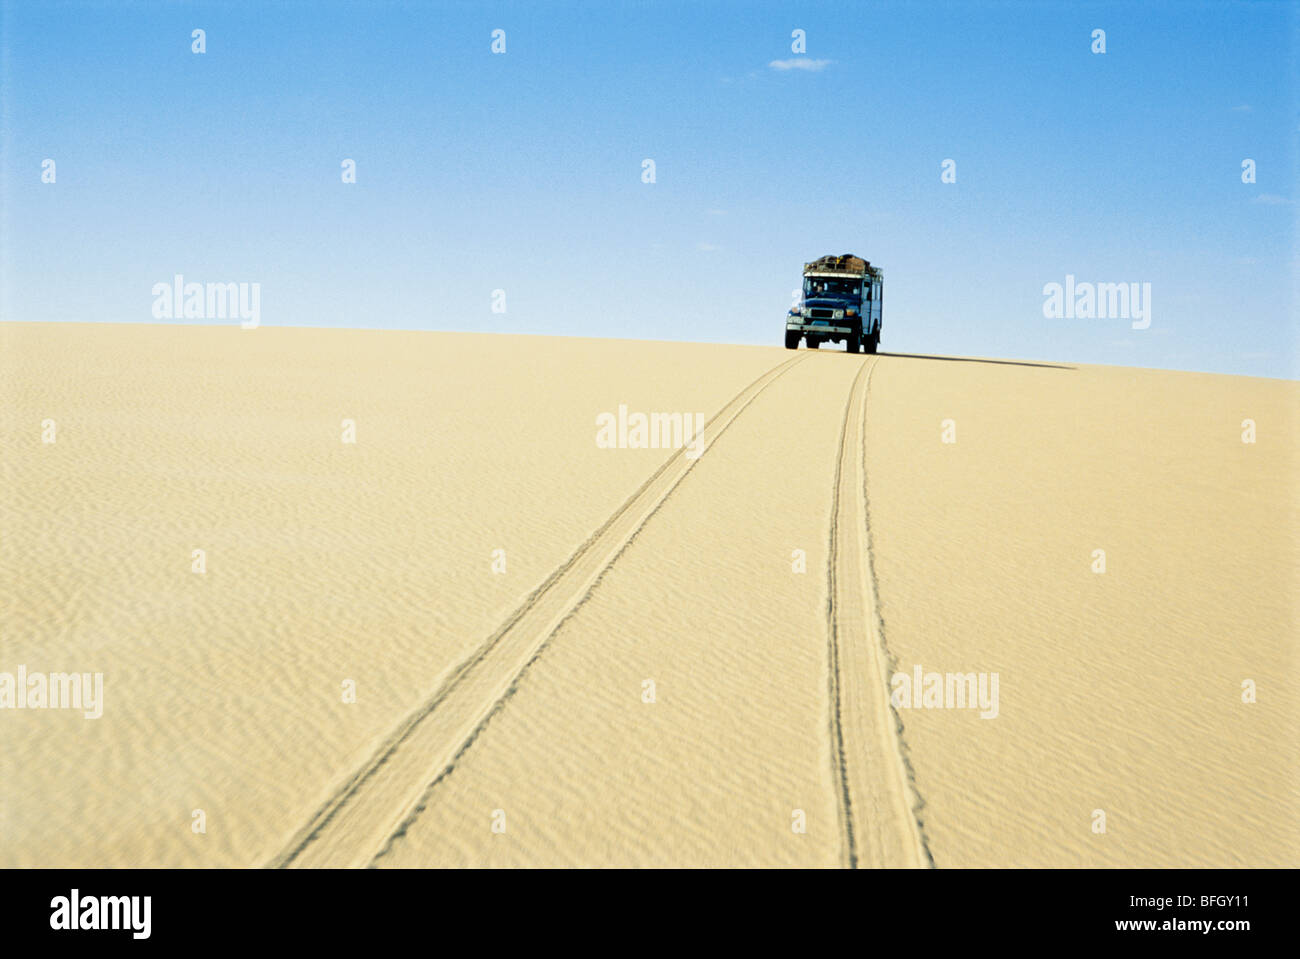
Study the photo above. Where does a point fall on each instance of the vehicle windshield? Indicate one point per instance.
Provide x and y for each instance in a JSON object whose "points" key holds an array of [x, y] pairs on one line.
{"points": [[829, 286]]}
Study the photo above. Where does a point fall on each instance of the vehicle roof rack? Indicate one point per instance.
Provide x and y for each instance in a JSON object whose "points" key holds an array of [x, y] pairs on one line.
{"points": [[845, 263]]}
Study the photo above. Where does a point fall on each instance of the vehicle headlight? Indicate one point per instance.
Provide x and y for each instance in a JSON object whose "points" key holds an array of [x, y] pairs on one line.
{"points": [[806, 311], [839, 314]]}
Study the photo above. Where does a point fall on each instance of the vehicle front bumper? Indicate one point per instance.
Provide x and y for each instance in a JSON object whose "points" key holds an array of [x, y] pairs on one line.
{"points": [[792, 326]]}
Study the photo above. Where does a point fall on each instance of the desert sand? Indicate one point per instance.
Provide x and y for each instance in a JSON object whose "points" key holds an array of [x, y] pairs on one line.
{"points": [[435, 622]]}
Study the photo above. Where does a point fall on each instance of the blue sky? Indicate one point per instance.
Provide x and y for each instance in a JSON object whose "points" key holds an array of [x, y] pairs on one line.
{"points": [[522, 171]]}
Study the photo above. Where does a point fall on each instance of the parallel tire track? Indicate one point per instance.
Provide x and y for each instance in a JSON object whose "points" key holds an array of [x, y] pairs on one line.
{"points": [[378, 802], [876, 796]]}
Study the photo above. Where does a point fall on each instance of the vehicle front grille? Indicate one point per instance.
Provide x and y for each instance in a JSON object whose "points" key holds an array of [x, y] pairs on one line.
{"points": [[820, 314]]}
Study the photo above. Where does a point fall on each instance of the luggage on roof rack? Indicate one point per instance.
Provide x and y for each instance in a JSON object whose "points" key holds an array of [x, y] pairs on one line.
{"points": [[845, 263]]}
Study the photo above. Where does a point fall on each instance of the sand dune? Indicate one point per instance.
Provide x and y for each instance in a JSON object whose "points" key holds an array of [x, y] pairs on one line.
{"points": [[687, 657]]}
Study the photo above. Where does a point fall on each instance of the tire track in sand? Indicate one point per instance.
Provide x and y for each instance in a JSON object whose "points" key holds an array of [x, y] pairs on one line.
{"points": [[879, 808], [359, 821]]}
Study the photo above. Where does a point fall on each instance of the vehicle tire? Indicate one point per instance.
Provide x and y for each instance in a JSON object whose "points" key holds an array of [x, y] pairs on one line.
{"points": [[873, 341], [853, 343], [791, 340], [813, 344]]}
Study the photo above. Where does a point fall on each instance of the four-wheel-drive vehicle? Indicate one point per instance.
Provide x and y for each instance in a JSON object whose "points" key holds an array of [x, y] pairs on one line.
{"points": [[841, 302]]}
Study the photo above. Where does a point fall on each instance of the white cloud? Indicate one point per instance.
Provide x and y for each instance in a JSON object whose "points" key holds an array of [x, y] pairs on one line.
{"points": [[800, 63], [707, 248], [1270, 199]]}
